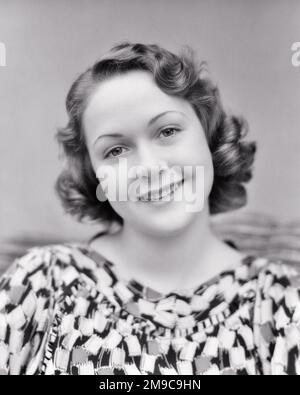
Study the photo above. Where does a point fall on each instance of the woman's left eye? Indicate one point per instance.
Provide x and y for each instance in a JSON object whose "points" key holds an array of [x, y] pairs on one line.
{"points": [[168, 130]]}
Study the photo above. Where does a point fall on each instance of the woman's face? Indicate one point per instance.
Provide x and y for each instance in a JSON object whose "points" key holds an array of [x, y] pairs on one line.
{"points": [[146, 140]]}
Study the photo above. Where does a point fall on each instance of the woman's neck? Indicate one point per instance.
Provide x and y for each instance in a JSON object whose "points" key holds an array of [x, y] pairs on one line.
{"points": [[172, 261]]}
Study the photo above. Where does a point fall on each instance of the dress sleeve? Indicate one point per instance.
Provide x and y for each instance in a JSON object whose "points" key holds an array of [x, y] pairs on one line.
{"points": [[25, 311], [277, 319]]}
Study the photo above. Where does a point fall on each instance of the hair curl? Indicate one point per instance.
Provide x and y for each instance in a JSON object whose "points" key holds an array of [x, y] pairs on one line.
{"points": [[177, 75]]}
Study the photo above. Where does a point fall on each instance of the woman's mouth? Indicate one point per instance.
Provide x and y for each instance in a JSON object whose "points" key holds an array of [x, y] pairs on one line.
{"points": [[164, 195]]}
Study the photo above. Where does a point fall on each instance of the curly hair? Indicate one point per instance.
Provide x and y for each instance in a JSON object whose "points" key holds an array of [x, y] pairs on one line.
{"points": [[178, 75]]}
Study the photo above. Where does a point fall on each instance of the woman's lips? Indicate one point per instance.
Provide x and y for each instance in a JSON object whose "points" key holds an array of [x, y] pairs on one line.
{"points": [[146, 198]]}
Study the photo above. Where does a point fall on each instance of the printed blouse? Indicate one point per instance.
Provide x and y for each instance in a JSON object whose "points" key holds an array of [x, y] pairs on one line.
{"points": [[65, 310]]}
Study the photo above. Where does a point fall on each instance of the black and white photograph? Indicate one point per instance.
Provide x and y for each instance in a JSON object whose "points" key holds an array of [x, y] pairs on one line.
{"points": [[149, 189]]}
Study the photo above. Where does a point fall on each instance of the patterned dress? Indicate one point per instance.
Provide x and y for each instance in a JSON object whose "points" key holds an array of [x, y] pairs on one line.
{"points": [[65, 310]]}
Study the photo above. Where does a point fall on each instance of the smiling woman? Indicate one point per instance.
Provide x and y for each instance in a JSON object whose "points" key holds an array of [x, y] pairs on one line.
{"points": [[174, 82], [161, 293]]}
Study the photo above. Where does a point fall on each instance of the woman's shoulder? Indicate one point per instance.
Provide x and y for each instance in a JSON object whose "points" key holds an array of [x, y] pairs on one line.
{"points": [[273, 285], [30, 267], [278, 273], [275, 279], [48, 267], [268, 271], [276, 316], [29, 291], [279, 288]]}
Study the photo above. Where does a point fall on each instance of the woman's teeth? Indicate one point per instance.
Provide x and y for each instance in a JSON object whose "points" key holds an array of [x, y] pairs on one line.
{"points": [[156, 196]]}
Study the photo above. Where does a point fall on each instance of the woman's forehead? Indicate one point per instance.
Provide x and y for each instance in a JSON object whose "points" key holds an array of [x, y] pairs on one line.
{"points": [[119, 100], [123, 92]]}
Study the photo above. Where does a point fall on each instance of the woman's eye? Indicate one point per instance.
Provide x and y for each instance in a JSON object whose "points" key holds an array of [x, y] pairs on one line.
{"points": [[169, 132], [114, 152]]}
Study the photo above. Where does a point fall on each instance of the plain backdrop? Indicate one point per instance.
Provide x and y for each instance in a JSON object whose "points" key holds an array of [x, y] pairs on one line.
{"points": [[247, 45]]}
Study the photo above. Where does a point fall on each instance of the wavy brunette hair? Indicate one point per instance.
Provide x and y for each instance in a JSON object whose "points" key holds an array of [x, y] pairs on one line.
{"points": [[177, 75]]}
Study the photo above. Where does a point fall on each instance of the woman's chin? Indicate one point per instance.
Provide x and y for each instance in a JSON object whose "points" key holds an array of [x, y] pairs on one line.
{"points": [[165, 225]]}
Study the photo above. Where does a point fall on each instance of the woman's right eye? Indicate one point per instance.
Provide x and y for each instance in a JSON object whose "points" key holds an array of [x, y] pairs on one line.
{"points": [[113, 150]]}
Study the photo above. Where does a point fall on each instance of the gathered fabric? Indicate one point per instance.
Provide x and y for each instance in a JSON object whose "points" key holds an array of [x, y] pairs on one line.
{"points": [[65, 310]]}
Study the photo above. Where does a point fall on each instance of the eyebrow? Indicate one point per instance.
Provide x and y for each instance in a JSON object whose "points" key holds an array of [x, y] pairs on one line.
{"points": [[152, 120]]}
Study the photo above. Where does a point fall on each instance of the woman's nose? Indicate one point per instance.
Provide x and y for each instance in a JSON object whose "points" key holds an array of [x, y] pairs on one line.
{"points": [[149, 163]]}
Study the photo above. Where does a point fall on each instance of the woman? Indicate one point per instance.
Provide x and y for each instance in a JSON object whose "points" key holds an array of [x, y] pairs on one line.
{"points": [[157, 292]]}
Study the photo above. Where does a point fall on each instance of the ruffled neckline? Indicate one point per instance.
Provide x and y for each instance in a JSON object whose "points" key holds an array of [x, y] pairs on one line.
{"points": [[150, 293], [212, 300]]}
